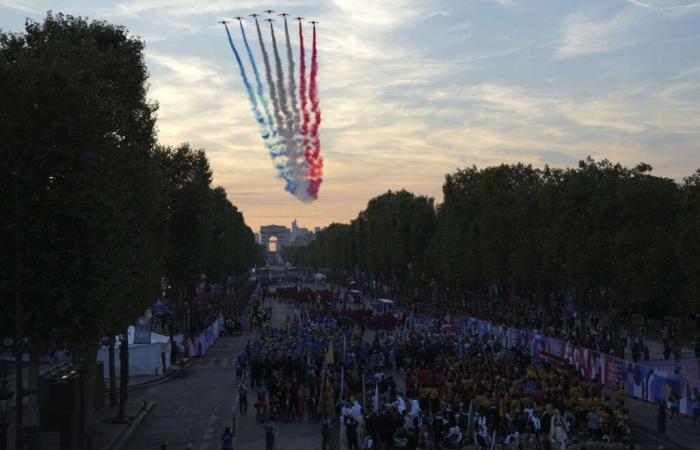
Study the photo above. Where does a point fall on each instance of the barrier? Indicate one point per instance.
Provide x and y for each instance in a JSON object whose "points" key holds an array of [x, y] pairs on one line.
{"points": [[650, 383], [198, 345]]}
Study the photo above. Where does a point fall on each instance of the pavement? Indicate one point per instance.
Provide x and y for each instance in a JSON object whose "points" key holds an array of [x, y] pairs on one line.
{"points": [[197, 409]]}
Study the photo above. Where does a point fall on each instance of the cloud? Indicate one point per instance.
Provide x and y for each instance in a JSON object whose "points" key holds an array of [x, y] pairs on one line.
{"points": [[506, 3], [405, 99], [582, 34], [19, 6], [667, 5]]}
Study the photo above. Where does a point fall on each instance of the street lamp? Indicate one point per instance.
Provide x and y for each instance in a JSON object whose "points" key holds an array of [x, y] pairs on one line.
{"points": [[5, 396]]}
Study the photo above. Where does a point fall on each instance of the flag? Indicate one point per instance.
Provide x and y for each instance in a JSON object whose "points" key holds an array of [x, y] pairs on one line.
{"points": [[344, 339], [375, 400], [329, 353], [470, 423], [364, 394]]}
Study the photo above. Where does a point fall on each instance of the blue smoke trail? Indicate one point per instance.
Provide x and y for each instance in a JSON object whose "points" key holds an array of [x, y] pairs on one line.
{"points": [[259, 84], [249, 89], [275, 152]]}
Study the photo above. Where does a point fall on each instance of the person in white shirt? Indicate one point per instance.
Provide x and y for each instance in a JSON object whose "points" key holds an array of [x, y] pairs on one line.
{"points": [[558, 432], [455, 433]]}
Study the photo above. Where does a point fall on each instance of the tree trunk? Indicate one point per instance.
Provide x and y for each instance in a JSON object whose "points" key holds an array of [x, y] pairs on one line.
{"points": [[112, 372], [87, 398], [91, 389], [32, 385], [32, 424], [123, 374]]}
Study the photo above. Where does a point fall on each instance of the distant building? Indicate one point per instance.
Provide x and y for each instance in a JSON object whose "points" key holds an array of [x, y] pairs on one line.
{"points": [[300, 237], [274, 237], [317, 230]]}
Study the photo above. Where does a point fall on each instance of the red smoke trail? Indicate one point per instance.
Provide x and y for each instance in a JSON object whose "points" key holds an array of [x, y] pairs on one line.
{"points": [[313, 153]]}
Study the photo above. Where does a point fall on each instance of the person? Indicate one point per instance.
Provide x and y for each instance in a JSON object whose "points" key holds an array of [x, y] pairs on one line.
{"points": [[400, 438], [483, 438], [351, 432], [368, 443], [243, 397], [325, 432], [558, 432], [227, 439], [592, 420], [674, 407], [661, 420], [270, 429], [695, 401], [455, 434], [239, 371]]}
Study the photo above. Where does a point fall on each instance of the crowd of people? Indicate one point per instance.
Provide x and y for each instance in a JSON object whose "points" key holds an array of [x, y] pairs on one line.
{"points": [[430, 388]]}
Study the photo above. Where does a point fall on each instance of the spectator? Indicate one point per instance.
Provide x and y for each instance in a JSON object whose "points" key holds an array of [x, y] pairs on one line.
{"points": [[270, 428], [695, 400], [661, 420], [325, 432]]}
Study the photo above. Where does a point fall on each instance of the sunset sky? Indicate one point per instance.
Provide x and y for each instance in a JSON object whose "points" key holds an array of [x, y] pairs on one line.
{"points": [[412, 89]]}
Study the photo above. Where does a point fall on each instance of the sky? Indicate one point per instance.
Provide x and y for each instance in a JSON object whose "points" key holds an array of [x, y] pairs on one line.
{"points": [[411, 90]]}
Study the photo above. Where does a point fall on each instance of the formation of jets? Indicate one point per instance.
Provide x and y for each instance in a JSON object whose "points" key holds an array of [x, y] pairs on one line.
{"points": [[269, 19]]}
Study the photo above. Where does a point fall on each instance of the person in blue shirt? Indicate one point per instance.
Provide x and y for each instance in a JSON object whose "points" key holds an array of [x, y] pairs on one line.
{"points": [[227, 439]]}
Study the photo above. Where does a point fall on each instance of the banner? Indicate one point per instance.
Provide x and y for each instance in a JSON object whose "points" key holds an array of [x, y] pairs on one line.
{"points": [[613, 372], [652, 381]]}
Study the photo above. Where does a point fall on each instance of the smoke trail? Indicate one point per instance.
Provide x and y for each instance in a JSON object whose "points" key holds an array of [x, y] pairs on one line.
{"points": [[297, 139], [292, 82], [280, 82], [313, 155], [268, 76], [249, 89], [260, 88], [302, 90], [288, 132], [278, 162], [280, 149]]}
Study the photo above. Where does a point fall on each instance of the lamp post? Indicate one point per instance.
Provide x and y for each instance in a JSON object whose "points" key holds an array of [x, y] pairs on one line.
{"points": [[5, 396]]}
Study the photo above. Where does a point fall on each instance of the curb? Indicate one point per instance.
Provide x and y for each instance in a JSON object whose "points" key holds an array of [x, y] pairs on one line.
{"points": [[125, 435]]}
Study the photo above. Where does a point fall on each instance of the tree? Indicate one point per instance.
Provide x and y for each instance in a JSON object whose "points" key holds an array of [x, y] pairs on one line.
{"points": [[78, 132]]}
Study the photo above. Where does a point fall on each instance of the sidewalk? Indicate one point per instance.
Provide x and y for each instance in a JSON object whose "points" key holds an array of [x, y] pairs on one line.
{"points": [[110, 435]]}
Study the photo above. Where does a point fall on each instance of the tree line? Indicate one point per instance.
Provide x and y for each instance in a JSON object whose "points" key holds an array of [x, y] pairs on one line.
{"points": [[598, 229], [96, 217]]}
